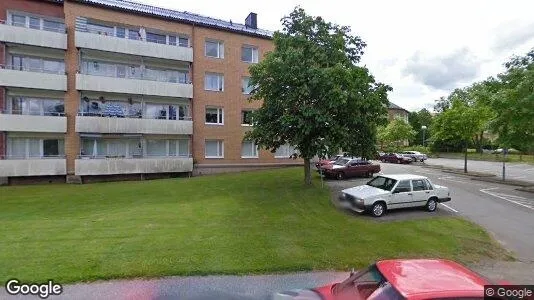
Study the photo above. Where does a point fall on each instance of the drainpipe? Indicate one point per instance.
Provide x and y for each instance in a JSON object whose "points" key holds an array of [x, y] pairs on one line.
{"points": [[192, 102]]}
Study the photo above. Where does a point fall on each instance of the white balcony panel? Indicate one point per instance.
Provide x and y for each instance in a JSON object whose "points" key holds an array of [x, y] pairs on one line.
{"points": [[33, 80], [133, 165], [129, 125], [25, 123], [133, 86], [33, 167], [120, 45], [33, 37]]}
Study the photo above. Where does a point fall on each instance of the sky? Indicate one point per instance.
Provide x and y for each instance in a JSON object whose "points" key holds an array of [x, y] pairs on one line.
{"points": [[422, 49]]}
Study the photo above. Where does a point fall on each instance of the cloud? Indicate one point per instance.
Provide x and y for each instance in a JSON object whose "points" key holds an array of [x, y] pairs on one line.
{"points": [[443, 72], [509, 36]]}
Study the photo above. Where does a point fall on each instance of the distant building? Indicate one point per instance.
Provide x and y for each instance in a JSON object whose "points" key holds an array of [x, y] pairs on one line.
{"points": [[395, 111]]}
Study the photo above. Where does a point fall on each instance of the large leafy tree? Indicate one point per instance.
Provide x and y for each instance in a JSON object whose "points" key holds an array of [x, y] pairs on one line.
{"points": [[395, 133], [512, 99], [418, 119], [459, 123], [315, 96]]}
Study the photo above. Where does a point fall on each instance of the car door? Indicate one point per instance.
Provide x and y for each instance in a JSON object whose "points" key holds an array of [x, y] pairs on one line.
{"points": [[402, 195], [420, 192]]}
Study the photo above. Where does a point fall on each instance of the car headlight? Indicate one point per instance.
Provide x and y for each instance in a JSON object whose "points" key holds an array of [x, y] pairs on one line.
{"points": [[343, 196], [359, 200]]}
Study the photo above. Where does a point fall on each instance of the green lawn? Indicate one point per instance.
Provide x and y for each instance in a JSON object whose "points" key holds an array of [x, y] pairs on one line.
{"points": [[255, 222], [490, 157]]}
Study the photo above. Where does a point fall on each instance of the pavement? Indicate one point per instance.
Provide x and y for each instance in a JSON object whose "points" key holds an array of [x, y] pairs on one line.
{"points": [[506, 213], [514, 171]]}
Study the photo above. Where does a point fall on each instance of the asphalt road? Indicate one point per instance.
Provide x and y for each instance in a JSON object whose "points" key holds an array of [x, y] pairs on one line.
{"points": [[516, 171]]}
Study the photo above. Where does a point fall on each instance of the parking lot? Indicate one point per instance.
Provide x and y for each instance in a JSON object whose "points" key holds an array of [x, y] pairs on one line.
{"points": [[506, 213], [515, 171]]}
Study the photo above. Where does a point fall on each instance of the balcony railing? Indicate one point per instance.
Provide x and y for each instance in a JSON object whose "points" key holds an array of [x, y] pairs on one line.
{"points": [[60, 29], [32, 113], [135, 37], [28, 157], [130, 116], [140, 76], [30, 69], [132, 156]]}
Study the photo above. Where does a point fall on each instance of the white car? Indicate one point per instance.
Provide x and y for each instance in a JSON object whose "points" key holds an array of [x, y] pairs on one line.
{"points": [[415, 155], [394, 191]]}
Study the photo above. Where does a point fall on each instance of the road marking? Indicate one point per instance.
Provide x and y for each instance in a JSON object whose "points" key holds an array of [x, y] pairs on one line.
{"points": [[506, 197], [448, 178], [454, 210], [517, 177]]}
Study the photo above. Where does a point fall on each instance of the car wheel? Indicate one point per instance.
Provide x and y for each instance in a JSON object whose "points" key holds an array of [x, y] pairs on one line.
{"points": [[399, 161], [422, 160], [369, 174], [378, 209], [340, 176], [431, 205]]}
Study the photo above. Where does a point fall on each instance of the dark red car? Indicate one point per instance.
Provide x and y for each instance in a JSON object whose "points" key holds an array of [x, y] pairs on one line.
{"points": [[410, 279], [346, 167], [329, 161], [396, 158]]}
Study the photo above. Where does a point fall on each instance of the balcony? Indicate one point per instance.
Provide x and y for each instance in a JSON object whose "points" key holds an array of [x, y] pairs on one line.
{"points": [[32, 78], [33, 37], [12, 167], [109, 166], [110, 43], [85, 123], [33, 123], [86, 82]]}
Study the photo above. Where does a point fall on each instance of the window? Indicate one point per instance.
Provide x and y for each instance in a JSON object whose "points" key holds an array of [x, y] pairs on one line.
{"points": [[35, 23], [214, 49], [249, 54], [428, 185], [285, 151], [214, 82], [156, 38], [36, 106], [249, 150], [246, 88], [156, 148], [179, 148], [100, 29], [246, 117], [22, 148], [52, 26], [403, 187], [183, 41], [120, 32], [418, 185], [214, 115], [214, 149], [111, 148], [172, 40], [18, 20], [133, 34]]}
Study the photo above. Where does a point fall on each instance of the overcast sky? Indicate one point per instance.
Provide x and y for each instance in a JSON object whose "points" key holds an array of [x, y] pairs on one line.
{"points": [[423, 49]]}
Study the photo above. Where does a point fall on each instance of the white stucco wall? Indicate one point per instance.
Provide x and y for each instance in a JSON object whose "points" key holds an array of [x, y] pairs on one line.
{"points": [[34, 37], [23, 123], [132, 166], [32, 167]]}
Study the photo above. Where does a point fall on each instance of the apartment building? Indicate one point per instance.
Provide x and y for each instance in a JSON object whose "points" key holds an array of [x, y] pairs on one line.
{"points": [[397, 112], [111, 89]]}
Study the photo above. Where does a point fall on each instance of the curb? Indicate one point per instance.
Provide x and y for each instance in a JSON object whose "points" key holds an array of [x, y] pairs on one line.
{"points": [[472, 174], [523, 184]]}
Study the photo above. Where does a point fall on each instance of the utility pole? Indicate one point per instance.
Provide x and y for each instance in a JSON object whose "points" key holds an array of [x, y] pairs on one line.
{"points": [[504, 152], [424, 129]]}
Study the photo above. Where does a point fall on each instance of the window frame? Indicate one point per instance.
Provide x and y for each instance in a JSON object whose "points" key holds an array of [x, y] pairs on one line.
{"points": [[27, 147], [220, 48], [255, 149], [220, 148], [220, 82], [285, 156], [220, 115], [243, 88], [409, 181], [254, 54], [243, 111]]}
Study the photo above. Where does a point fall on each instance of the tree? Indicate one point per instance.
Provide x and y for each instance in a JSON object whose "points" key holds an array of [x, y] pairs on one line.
{"points": [[417, 120], [513, 101], [459, 123], [315, 96]]}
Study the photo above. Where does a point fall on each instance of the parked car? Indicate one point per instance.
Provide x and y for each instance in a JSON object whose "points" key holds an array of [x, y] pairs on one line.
{"points": [[415, 155], [394, 191], [348, 167], [395, 158], [401, 279], [510, 151], [328, 161]]}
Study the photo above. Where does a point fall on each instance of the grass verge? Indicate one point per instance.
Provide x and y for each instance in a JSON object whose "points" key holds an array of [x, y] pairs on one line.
{"points": [[254, 222]]}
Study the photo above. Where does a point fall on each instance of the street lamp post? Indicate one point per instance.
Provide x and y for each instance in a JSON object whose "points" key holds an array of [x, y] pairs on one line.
{"points": [[424, 129]]}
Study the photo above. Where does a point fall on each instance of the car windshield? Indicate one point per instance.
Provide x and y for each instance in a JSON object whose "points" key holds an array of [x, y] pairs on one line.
{"points": [[382, 182], [341, 161], [367, 284]]}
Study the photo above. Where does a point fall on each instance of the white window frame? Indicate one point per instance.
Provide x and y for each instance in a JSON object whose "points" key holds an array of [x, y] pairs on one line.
{"points": [[27, 148], [254, 148], [242, 117], [287, 146], [40, 17], [220, 48], [220, 82], [255, 54], [220, 148], [243, 88], [220, 113]]}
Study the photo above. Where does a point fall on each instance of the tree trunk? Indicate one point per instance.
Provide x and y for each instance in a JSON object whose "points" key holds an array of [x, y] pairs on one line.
{"points": [[465, 157], [307, 171]]}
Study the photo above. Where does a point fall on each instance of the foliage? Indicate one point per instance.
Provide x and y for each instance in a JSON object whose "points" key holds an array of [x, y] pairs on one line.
{"points": [[314, 95], [513, 99], [417, 120], [395, 133]]}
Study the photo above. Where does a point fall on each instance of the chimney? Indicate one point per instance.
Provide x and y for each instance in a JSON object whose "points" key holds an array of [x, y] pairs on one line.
{"points": [[252, 21]]}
